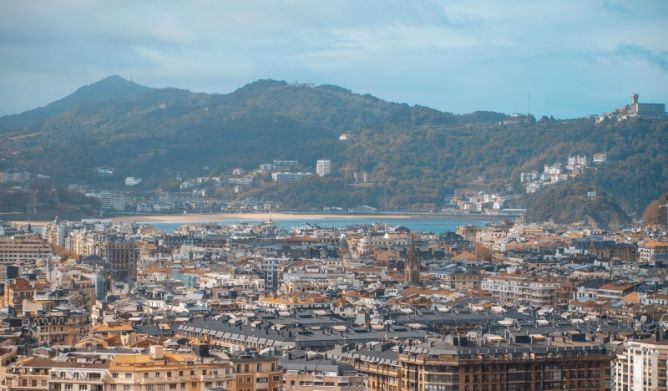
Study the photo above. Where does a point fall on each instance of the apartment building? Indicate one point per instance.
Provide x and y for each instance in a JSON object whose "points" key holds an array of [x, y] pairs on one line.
{"points": [[323, 167], [313, 375], [19, 290], [121, 258], [253, 372], [167, 371], [289, 177], [16, 250], [492, 365], [154, 371], [641, 366], [79, 376], [460, 280], [57, 327], [30, 373], [521, 289], [653, 252]]}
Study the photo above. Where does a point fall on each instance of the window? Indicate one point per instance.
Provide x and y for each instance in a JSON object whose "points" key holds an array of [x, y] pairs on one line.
{"points": [[169, 374], [126, 387], [258, 367], [113, 387], [114, 375], [83, 387], [145, 375], [128, 375], [246, 368], [149, 387]]}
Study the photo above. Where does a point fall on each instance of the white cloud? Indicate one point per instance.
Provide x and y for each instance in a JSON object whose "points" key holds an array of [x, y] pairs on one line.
{"points": [[453, 55]]}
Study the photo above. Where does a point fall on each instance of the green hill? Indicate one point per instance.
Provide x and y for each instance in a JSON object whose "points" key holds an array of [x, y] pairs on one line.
{"points": [[109, 88], [655, 213], [416, 155], [576, 202]]}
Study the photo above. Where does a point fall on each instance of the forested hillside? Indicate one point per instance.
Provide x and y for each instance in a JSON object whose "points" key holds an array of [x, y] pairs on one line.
{"points": [[416, 156]]}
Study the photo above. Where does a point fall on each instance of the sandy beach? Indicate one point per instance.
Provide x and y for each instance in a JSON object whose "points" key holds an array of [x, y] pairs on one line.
{"points": [[201, 218], [215, 217]]}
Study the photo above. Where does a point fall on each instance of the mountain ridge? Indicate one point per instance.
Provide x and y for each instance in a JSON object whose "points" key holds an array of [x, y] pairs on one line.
{"points": [[417, 156], [108, 88]]}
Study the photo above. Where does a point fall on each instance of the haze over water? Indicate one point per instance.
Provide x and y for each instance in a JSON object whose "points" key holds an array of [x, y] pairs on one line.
{"points": [[420, 224]]}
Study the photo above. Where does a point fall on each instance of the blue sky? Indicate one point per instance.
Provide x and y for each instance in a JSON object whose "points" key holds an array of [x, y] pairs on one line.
{"points": [[575, 58]]}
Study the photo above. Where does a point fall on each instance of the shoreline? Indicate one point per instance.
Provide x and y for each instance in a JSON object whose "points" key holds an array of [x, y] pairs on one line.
{"points": [[198, 218]]}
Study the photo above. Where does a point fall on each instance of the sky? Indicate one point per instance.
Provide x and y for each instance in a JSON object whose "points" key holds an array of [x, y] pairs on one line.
{"points": [[566, 58]]}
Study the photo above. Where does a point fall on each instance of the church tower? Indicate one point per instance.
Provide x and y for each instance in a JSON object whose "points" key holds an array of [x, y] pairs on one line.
{"points": [[412, 265]]}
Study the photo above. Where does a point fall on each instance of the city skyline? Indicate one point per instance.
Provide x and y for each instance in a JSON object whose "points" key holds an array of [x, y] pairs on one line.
{"points": [[295, 195]]}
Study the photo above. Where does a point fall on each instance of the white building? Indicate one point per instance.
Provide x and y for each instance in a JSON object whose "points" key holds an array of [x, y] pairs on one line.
{"points": [[118, 203], [600, 157], [323, 167], [132, 181], [653, 252], [524, 291], [641, 367], [289, 177]]}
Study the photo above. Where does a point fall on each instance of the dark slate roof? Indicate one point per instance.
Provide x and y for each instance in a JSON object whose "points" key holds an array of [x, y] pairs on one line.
{"points": [[318, 365], [294, 336]]}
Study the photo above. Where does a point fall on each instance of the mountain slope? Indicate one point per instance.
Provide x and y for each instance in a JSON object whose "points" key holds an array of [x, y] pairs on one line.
{"points": [[655, 213], [416, 156], [109, 88], [569, 202]]}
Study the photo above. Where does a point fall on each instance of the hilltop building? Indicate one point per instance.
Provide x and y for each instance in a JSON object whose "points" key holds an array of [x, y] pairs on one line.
{"points": [[600, 158], [635, 110]]}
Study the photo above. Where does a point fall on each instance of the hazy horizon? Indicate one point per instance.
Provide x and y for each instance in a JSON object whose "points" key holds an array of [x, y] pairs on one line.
{"points": [[573, 58]]}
